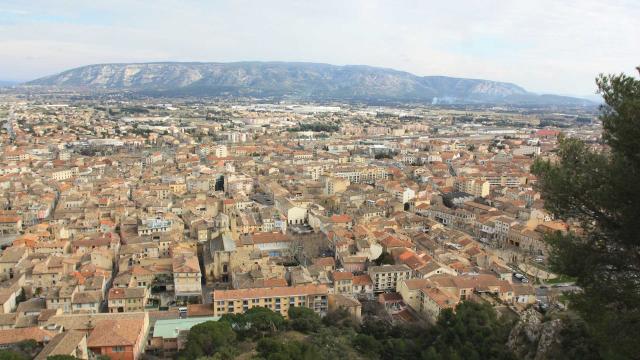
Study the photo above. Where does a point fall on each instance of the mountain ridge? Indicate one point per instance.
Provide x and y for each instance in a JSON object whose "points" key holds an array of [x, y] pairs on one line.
{"points": [[298, 80]]}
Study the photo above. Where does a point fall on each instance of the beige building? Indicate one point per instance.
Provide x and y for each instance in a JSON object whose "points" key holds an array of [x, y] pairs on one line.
{"points": [[475, 187], [86, 302], [127, 299], [386, 277], [342, 282], [410, 289], [10, 224], [351, 305], [187, 277], [278, 299], [433, 300], [335, 185], [9, 259]]}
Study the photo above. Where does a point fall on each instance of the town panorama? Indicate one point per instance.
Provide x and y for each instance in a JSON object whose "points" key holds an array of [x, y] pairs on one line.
{"points": [[126, 221]]}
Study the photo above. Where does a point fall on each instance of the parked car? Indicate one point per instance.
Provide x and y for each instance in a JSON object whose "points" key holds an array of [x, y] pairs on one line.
{"points": [[521, 277]]}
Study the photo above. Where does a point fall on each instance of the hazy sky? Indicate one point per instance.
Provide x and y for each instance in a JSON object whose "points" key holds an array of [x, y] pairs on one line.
{"points": [[554, 46]]}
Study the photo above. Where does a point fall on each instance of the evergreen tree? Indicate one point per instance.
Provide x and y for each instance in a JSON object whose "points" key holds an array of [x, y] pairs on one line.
{"points": [[209, 338], [597, 189]]}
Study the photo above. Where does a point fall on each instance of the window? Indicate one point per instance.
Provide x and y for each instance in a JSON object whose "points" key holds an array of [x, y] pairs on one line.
{"points": [[118, 349]]}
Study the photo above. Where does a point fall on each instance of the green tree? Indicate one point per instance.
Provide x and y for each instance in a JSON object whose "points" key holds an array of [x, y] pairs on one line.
{"points": [[339, 318], [209, 338], [12, 355], [368, 345], [472, 332], [273, 349], [264, 321], [256, 322], [28, 345], [61, 357], [304, 319], [334, 343], [597, 190]]}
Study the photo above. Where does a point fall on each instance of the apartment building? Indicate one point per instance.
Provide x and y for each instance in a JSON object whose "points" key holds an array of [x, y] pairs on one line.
{"points": [[362, 175], [342, 282], [475, 187], [386, 277], [278, 299]]}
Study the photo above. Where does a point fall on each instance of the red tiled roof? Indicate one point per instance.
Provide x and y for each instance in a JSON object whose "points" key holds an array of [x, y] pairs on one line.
{"points": [[13, 336], [362, 280], [324, 261], [342, 275], [117, 332], [199, 310], [344, 218]]}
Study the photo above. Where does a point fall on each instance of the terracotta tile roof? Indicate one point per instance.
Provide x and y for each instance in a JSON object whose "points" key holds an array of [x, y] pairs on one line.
{"points": [[416, 284], [268, 237], [405, 315], [61, 344], [126, 293], [120, 332], [362, 280], [87, 297], [547, 132], [442, 298], [344, 218], [8, 319], [390, 297], [46, 314], [9, 219], [13, 336], [276, 282], [393, 242], [354, 259], [199, 310], [324, 261], [140, 271], [341, 275], [186, 264], [473, 251]]}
